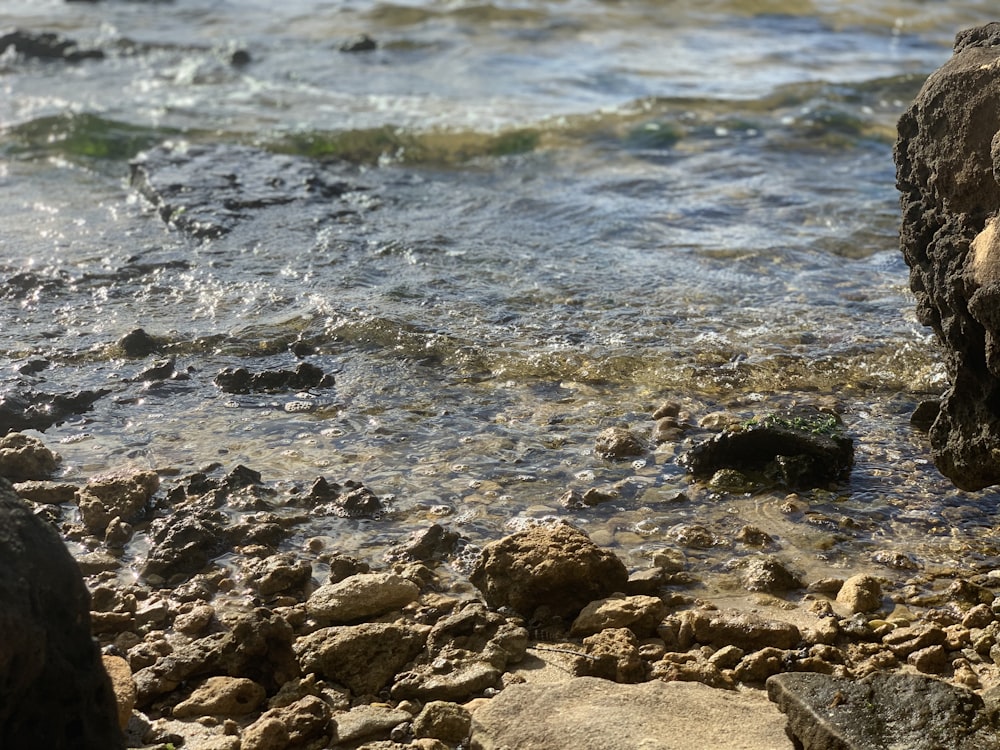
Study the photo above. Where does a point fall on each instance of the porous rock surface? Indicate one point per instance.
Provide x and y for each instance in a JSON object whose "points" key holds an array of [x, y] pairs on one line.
{"points": [[54, 692], [947, 166], [555, 566]]}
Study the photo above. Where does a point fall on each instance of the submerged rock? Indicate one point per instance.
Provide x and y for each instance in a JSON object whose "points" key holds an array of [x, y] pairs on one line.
{"points": [[206, 190], [54, 692], [29, 410], [881, 711], [802, 447], [303, 377], [947, 165], [44, 45]]}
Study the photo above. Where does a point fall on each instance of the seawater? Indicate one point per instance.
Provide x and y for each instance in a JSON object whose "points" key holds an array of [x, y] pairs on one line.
{"points": [[584, 209]]}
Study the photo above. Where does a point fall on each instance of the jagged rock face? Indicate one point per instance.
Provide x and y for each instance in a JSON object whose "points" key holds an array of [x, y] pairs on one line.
{"points": [[948, 172], [54, 692]]}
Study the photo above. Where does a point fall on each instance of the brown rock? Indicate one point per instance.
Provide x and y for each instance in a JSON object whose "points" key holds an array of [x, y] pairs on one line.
{"points": [[222, 696], [361, 596], [618, 443], [121, 495], [612, 654], [641, 614], [23, 457], [555, 566], [861, 593], [443, 720], [745, 630], [123, 685]]}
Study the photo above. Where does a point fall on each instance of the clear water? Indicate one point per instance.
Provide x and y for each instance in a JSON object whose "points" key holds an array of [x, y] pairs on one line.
{"points": [[579, 210]]}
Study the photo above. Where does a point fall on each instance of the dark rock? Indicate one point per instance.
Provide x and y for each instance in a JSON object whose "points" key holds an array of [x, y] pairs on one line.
{"points": [[362, 43], [881, 711], [185, 542], [46, 46], [924, 415], [946, 172], [803, 447], [29, 410], [207, 190], [54, 692], [553, 566], [303, 377], [138, 344], [433, 544]]}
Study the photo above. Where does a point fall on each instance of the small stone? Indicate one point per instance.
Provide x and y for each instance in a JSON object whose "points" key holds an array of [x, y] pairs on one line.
{"points": [[123, 685], [23, 457], [727, 657], [760, 665], [930, 660], [751, 536], [904, 641], [367, 722], [641, 614], [195, 621], [861, 593], [443, 720], [617, 444], [978, 617], [768, 574], [138, 344]]}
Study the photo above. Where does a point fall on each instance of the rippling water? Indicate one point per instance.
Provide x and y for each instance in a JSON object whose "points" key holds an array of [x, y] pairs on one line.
{"points": [[574, 211]]}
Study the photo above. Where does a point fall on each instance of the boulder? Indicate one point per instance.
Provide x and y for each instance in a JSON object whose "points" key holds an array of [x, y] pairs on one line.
{"points": [[588, 712], [556, 566], [802, 447], [882, 710], [947, 162], [54, 691]]}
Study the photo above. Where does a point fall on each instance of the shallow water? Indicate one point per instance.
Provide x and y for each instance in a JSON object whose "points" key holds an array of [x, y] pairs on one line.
{"points": [[573, 211]]}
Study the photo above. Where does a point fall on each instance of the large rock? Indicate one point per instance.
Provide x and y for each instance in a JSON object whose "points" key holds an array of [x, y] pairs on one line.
{"points": [[553, 566], [881, 711], [588, 712], [54, 692], [947, 160]]}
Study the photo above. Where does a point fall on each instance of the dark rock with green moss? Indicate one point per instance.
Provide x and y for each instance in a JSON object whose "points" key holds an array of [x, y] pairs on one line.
{"points": [[800, 448]]}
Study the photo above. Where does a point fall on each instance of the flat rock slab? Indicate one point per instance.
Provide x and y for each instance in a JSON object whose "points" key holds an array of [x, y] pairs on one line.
{"points": [[596, 714], [882, 712]]}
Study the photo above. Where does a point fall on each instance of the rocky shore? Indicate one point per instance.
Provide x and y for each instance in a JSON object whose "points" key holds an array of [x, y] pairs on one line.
{"points": [[222, 637]]}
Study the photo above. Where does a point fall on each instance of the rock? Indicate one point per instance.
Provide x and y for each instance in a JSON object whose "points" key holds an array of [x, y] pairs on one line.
{"points": [[618, 444], [930, 660], [365, 722], [121, 495], [123, 686], [362, 596], [861, 593], [298, 724], [587, 712], [363, 658], [553, 566], [277, 574], [46, 492], [23, 457], [881, 711], [803, 447], [303, 377], [446, 680], [184, 542], [433, 544], [745, 630], [361, 43], [641, 614], [195, 620], [768, 574], [39, 411], [137, 344], [443, 720], [612, 654], [222, 696], [904, 641], [54, 691], [946, 172], [45, 45], [207, 190]]}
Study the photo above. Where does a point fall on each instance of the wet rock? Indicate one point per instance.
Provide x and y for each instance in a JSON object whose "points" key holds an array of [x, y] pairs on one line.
{"points": [[30, 410], [362, 43], [46, 492], [120, 495], [363, 658], [443, 720], [769, 575], [587, 712], [277, 574], [804, 447], [366, 595], [222, 696], [759, 665], [54, 691], [861, 593], [304, 377], [881, 710], [618, 443], [184, 542], [946, 172], [43, 45], [23, 457], [553, 566], [433, 544], [207, 190], [137, 344], [904, 641], [641, 614]]}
